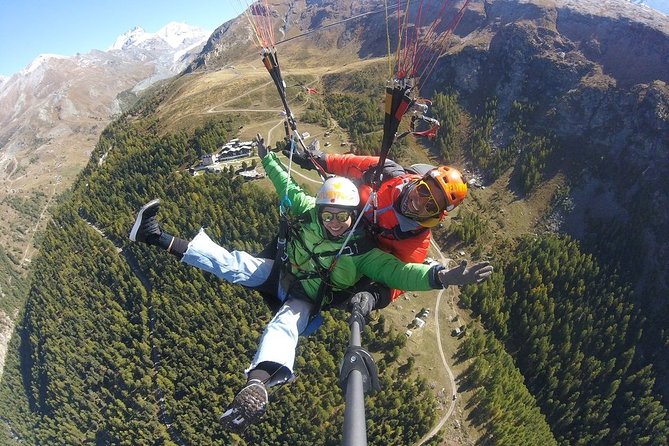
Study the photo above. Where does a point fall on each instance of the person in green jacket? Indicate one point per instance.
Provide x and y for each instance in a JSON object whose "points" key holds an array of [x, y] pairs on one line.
{"points": [[324, 255]]}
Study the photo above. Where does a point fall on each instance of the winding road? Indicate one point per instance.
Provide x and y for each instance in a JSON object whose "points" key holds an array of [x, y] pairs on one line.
{"points": [[451, 377]]}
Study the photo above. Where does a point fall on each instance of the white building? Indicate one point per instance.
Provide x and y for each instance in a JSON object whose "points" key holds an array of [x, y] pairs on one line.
{"points": [[251, 174], [234, 153]]}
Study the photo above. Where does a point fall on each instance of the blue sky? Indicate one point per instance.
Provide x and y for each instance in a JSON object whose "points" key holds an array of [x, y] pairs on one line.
{"points": [[660, 5], [29, 28]]}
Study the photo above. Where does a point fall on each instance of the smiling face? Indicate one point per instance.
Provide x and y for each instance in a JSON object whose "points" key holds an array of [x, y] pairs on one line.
{"points": [[331, 218], [424, 200]]}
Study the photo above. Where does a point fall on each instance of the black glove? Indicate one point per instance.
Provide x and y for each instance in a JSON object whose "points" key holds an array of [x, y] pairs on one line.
{"points": [[461, 275], [260, 142], [363, 300], [303, 158]]}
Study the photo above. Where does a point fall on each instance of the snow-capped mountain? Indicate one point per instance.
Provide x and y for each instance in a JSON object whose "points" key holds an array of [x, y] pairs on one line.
{"points": [[174, 34], [172, 48], [134, 37], [53, 110], [33, 101]]}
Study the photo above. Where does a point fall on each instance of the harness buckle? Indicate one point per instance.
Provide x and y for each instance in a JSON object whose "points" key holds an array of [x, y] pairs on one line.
{"points": [[348, 250]]}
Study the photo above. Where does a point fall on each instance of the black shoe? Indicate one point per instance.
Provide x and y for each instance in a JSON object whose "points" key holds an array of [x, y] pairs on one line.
{"points": [[146, 228], [247, 408]]}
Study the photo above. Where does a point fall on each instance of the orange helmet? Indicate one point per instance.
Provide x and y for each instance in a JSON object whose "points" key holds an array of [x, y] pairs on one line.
{"points": [[452, 185]]}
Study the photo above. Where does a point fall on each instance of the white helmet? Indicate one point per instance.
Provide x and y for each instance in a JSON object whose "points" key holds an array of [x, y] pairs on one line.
{"points": [[338, 191]]}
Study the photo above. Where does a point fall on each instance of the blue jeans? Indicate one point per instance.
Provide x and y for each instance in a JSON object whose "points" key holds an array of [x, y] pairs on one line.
{"points": [[279, 340]]}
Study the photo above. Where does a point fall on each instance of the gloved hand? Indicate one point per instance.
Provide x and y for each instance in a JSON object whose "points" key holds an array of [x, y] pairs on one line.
{"points": [[260, 142], [364, 300], [302, 157], [461, 275]]}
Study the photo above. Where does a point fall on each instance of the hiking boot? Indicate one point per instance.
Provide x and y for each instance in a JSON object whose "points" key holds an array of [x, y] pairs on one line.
{"points": [[146, 228], [247, 408]]}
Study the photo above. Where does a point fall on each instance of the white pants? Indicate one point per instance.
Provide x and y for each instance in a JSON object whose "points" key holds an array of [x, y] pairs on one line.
{"points": [[279, 340]]}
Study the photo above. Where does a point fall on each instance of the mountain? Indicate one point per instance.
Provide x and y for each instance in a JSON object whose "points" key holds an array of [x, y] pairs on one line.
{"points": [[52, 112], [560, 115], [597, 76], [593, 78]]}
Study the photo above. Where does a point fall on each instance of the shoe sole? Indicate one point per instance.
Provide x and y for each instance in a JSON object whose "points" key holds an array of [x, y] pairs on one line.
{"points": [[245, 410], [138, 220]]}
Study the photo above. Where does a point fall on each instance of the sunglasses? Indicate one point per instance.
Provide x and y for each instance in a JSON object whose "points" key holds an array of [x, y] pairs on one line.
{"points": [[341, 216], [423, 191]]}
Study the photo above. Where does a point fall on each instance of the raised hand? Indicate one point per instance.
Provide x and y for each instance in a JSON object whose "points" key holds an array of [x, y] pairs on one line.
{"points": [[461, 275]]}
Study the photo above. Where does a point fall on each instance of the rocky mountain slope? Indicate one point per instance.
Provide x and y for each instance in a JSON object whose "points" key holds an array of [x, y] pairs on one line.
{"points": [[52, 112], [596, 74]]}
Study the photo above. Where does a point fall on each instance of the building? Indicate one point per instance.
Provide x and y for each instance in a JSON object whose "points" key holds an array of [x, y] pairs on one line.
{"points": [[207, 159], [231, 153], [234, 149], [423, 313], [251, 174], [458, 332], [418, 323]]}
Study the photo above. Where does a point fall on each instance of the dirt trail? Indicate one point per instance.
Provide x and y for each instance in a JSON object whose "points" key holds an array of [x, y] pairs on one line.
{"points": [[447, 368]]}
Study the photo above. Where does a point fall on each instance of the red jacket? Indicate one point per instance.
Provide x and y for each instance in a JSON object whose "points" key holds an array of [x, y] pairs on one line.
{"points": [[395, 233]]}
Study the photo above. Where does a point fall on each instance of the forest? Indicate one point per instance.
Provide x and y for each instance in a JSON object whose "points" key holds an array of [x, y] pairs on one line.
{"points": [[116, 346], [574, 336]]}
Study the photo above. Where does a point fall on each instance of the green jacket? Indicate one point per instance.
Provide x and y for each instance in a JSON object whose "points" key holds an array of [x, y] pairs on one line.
{"points": [[309, 244]]}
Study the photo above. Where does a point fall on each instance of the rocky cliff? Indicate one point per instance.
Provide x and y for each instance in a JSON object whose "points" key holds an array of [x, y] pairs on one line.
{"points": [[596, 74]]}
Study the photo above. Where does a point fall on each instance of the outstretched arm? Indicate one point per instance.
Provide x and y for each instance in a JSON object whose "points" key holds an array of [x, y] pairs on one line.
{"points": [[284, 184], [387, 269]]}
